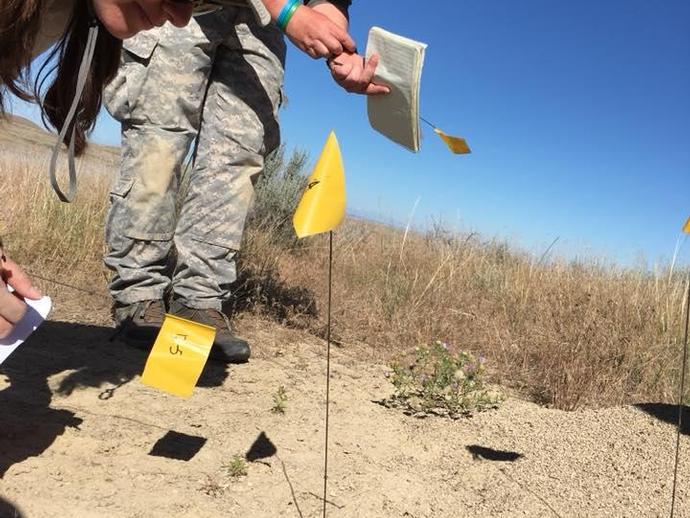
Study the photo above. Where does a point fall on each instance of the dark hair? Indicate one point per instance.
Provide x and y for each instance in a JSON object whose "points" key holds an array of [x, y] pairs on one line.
{"points": [[20, 22], [17, 40]]}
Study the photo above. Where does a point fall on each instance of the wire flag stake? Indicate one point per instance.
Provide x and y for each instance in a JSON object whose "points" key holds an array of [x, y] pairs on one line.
{"points": [[681, 392], [328, 366], [322, 209]]}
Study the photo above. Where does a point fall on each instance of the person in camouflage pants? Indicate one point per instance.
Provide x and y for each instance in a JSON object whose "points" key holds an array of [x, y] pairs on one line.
{"points": [[218, 84]]}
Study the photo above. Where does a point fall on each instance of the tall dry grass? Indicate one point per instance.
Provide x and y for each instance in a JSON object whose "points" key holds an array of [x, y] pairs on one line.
{"points": [[49, 237], [566, 333]]}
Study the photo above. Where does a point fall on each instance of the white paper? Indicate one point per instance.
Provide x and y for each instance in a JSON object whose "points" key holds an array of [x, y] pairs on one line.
{"points": [[35, 315], [396, 115]]}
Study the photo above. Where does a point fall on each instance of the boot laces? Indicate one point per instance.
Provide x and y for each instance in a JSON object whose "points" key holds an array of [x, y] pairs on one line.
{"points": [[218, 319], [153, 311]]}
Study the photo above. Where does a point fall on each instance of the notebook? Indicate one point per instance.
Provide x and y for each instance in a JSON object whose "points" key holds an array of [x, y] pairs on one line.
{"points": [[396, 115]]}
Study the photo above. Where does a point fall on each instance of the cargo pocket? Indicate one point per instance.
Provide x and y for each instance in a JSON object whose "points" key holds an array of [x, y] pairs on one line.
{"points": [[121, 95], [122, 187], [136, 58], [142, 45], [134, 216], [116, 220]]}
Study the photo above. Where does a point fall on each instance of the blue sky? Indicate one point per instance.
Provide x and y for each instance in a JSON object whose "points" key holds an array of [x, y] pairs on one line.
{"points": [[578, 114]]}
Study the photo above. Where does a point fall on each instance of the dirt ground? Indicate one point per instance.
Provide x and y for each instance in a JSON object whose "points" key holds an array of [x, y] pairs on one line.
{"points": [[81, 437]]}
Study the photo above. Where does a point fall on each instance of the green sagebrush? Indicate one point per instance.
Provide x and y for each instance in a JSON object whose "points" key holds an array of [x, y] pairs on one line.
{"points": [[441, 381]]}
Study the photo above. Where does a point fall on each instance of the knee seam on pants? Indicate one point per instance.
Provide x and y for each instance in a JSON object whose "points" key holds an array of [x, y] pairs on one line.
{"points": [[232, 245]]}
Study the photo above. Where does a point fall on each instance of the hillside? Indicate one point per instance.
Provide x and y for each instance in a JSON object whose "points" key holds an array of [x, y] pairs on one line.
{"points": [[20, 135]]}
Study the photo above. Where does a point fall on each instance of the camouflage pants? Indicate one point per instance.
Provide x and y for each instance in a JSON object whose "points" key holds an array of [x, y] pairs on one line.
{"points": [[220, 79]]}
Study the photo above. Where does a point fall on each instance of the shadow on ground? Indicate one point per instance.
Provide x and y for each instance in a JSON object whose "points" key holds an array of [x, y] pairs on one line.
{"points": [[8, 510], [668, 414], [484, 453], [29, 424], [261, 448], [178, 446]]}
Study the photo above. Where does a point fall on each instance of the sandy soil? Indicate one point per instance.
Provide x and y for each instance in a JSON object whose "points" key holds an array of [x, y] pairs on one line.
{"points": [[81, 437]]}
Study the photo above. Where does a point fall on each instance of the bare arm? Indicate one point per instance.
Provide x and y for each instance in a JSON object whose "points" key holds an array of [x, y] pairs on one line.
{"points": [[350, 70], [313, 31], [12, 306], [322, 32], [333, 13]]}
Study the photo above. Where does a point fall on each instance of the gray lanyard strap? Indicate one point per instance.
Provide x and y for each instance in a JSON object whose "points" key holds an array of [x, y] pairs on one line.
{"points": [[84, 67]]}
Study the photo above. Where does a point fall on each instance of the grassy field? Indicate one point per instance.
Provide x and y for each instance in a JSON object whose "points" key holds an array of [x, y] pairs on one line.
{"points": [[563, 333]]}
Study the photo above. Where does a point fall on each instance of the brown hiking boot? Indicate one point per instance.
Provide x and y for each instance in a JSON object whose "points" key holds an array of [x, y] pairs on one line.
{"points": [[140, 323], [226, 347]]}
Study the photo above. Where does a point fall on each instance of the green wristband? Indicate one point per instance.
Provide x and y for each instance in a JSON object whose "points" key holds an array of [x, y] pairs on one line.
{"points": [[286, 14]]}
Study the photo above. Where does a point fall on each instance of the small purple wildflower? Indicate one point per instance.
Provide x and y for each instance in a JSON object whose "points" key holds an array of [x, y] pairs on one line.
{"points": [[471, 368]]}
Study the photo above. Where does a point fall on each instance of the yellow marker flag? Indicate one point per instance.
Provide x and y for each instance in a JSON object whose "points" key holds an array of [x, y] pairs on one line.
{"points": [[456, 144], [178, 356], [686, 227], [322, 207]]}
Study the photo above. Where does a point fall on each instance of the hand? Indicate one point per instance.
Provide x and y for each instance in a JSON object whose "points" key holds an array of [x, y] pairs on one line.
{"points": [[317, 35], [355, 74], [12, 305]]}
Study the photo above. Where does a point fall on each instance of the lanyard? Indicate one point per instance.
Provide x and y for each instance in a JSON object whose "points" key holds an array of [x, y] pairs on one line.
{"points": [[82, 76]]}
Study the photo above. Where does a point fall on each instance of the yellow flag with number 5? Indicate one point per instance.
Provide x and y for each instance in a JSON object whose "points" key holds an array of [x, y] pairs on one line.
{"points": [[178, 356]]}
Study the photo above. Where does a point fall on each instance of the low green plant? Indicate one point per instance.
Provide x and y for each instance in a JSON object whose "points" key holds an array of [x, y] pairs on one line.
{"points": [[237, 467], [279, 401], [441, 381]]}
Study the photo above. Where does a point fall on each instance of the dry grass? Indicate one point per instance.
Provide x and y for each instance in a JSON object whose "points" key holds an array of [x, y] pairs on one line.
{"points": [[567, 334], [564, 333], [48, 237]]}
